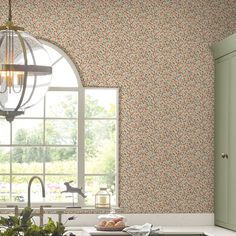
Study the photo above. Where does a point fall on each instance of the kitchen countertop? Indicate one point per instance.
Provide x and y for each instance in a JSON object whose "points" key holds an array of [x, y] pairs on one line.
{"points": [[175, 230]]}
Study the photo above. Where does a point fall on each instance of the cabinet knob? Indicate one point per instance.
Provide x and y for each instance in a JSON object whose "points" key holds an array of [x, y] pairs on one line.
{"points": [[224, 155]]}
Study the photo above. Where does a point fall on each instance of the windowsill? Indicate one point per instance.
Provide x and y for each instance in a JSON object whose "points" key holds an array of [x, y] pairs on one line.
{"points": [[64, 210]]}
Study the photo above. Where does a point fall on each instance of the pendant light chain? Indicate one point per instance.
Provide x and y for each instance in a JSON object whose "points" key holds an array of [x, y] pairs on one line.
{"points": [[10, 13]]}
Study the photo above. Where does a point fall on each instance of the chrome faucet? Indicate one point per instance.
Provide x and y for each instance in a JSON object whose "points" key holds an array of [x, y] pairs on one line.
{"points": [[29, 187], [41, 211]]}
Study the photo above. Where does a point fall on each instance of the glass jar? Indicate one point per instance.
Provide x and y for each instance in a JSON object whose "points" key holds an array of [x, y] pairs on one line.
{"points": [[102, 199]]}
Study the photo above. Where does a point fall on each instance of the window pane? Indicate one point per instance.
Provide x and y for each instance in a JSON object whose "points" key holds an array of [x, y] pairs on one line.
{"points": [[100, 103], [54, 187], [61, 132], [62, 104], [35, 111], [20, 186], [4, 160], [4, 188], [27, 160], [63, 75], [61, 160], [94, 183], [27, 131], [100, 146], [4, 129]]}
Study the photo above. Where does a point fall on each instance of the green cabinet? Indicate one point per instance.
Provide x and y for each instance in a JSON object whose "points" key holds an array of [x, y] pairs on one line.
{"points": [[225, 133]]}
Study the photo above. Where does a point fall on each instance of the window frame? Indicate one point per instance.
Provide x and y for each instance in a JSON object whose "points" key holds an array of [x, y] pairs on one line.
{"points": [[116, 174], [81, 137]]}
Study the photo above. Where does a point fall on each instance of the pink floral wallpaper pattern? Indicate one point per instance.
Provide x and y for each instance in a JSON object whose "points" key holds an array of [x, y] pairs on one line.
{"points": [[158, 53]]}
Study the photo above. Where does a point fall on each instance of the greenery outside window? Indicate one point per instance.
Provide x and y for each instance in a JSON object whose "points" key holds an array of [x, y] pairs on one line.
{"points": [[72, 134]]}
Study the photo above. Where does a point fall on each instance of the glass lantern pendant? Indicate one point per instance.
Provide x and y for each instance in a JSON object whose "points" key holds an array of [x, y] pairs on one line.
{"points": [[25, 70]]}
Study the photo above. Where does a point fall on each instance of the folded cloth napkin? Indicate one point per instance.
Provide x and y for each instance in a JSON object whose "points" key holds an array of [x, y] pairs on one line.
{"points": [[141, 230]]}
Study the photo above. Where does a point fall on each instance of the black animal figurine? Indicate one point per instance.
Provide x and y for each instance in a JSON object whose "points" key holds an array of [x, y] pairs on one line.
{"points": [[72, 190]]}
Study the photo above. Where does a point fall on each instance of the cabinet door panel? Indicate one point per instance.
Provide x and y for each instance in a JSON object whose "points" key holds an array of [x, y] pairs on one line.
{"points": [[232, 142], [221, 140]]}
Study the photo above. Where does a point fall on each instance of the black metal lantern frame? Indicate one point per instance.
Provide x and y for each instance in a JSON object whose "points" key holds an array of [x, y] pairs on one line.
{"points": [[25, 70]]}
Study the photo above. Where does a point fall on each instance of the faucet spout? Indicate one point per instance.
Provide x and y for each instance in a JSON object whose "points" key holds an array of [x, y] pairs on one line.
{"points": [[29, 187]]}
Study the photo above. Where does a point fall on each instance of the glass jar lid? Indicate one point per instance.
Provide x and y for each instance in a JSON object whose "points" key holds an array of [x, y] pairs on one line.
{"points": [[112, 215]]}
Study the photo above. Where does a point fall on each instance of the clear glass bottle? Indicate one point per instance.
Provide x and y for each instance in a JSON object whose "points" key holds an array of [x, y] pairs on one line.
{"points": [[102, 199]]}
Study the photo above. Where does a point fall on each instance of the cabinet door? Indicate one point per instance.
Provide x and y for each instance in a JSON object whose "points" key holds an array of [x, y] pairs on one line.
{"points": [[221, 140], [232, 142]]}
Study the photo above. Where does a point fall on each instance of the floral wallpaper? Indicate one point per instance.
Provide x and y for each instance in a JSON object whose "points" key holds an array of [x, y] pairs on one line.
{"points": [[158, 53]]}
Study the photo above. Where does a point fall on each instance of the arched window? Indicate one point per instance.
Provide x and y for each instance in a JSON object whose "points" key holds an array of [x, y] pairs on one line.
{"points": [[71, 135]]}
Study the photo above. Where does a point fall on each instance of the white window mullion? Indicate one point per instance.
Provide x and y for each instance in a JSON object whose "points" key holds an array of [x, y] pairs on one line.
{"points": [[11, 162], [39, 145], [45, 150], [117, 149], [81, 149], [100, 118]]}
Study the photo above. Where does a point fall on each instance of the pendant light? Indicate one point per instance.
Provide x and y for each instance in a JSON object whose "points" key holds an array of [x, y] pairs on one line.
{"points": [[25, 70]]}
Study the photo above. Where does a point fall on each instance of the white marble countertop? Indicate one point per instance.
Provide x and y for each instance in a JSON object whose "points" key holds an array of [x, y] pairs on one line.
{"points": [[207, 230]]}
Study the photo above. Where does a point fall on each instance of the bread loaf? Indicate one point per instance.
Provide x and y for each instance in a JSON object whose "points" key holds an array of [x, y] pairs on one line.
{"points": [[117, 219], [110, 224], [120, 224], [102, 223]]}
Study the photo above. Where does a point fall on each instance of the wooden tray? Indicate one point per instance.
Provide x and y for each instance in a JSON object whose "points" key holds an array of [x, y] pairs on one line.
{"points": [[99, 228]]}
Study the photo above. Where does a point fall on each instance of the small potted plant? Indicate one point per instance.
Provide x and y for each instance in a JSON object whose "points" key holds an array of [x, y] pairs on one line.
{"points": [[24, 225]]}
